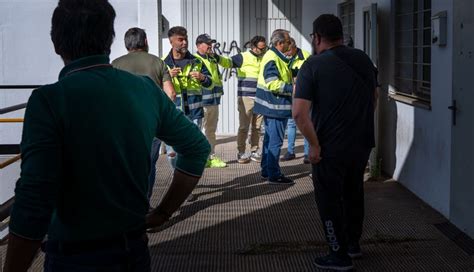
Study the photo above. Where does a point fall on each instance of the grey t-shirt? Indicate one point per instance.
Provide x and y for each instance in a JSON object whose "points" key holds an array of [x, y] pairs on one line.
{"points": [[143, 63]]}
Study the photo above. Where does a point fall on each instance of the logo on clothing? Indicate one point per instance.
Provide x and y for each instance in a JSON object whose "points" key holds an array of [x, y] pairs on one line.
{"points": [[331, 235]]}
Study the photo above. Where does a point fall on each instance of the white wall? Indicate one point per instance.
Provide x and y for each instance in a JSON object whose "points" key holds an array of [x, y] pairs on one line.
{"points": [[27, 55], [171, 10], [311, 9], [423, 138], [416, 142]]}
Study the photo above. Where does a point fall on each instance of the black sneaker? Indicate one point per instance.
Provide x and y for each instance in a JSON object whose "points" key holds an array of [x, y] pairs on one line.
{"points": [[306, 160], [334, 262], [288, 157], [354, 251], [281, 180], [263, 178]]}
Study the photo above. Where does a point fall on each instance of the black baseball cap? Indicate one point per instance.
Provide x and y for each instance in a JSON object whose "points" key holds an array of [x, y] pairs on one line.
{"points": [[204, 38]]}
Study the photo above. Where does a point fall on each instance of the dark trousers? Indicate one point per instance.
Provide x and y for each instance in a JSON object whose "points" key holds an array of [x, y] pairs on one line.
{"points": [[117, 255], [272, 142], [339, 190], [154, 154]]}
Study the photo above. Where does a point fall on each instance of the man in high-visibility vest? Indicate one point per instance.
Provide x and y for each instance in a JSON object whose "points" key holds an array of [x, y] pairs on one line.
{"points": [[297, 57], [211, 98], [248, 67], [273, 101], [189, 76]]}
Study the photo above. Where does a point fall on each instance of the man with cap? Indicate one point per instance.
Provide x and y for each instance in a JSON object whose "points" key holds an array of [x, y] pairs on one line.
{"points": [[211, 98]]}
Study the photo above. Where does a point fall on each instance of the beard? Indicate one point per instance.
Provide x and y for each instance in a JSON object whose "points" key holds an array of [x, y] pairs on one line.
{"points": [[182, 50]]}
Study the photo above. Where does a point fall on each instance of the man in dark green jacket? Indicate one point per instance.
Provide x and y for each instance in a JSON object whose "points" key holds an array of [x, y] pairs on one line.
{"points": [[85, 155]]}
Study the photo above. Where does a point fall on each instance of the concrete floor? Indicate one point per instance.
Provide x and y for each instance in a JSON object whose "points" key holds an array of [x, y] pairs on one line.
{"points": [[235, 222]]}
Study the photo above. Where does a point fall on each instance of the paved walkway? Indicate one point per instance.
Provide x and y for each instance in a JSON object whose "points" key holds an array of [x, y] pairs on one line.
{"points": [[235, 222]]}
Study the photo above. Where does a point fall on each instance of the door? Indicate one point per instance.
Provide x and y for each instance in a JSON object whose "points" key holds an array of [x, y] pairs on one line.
{"points": [[370, 32], [370, 46], [462, 165]]}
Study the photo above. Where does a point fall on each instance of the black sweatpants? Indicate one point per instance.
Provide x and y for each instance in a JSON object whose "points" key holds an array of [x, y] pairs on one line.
{"points": [[339, 190]]}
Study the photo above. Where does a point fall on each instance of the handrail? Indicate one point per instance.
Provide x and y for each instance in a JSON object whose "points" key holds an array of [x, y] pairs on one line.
{"points": [[12, 108], [19, 106], [11, 120], [6, 208], [10, 161], [16, 87]]}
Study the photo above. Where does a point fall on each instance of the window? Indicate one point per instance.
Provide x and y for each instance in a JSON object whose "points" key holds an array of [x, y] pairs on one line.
{"points": [[346, 14], [413, 49]]}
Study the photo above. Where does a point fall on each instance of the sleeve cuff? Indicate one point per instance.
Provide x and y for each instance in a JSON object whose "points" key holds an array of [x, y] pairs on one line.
{"points": [[288, 88]]}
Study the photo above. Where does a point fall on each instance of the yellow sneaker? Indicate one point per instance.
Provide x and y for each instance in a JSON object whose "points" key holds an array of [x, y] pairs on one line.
{"points": [[215, 162]]}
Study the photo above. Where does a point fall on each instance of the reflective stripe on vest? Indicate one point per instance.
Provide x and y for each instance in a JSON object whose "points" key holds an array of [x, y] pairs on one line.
{"points": [[273, 103], [212, 96], [248, 75], [195, 106]]}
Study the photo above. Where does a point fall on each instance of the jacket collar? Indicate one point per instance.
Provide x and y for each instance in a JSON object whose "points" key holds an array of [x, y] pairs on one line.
{"points": [[85, 63], [171, 62], [280, 55]]}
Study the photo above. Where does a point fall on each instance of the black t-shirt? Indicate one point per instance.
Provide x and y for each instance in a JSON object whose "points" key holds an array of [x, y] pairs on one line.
{"points": [[340, 82]]}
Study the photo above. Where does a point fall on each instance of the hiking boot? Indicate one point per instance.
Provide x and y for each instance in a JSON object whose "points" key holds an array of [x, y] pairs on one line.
{"points": [[334, 262], [281, 180], [255, 157], [288, 157], [243, 158], [354, 251], [215, 162], [306, 160]]}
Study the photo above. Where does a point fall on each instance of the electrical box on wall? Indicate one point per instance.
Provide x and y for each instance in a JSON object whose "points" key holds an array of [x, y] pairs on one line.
{"points": [[439, 28]]}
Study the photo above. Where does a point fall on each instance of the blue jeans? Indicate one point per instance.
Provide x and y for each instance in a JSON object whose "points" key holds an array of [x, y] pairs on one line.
{"points": [[154, 154], [169, 149], [272, 142], [134, 257], [292, 138]]}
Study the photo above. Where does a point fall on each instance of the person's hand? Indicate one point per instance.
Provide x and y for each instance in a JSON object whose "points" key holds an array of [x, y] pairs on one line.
{"points": [[154, 221], [314, 155], [197, 75], [175, 71]]}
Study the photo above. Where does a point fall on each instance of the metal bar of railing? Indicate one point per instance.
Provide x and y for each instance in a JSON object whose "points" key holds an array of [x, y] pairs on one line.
{"points": [[12, 108], [11, 120], [6, 208], [17, 87], [10, 161]]}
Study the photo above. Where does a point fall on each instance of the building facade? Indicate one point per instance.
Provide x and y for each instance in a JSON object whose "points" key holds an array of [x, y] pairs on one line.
{"points": [[422, 48]]}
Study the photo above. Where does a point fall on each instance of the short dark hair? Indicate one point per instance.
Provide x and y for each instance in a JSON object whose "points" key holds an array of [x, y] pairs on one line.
{"points": [[257, 39], [328, 26], [135, 38], [81, 28], [177, 30]]}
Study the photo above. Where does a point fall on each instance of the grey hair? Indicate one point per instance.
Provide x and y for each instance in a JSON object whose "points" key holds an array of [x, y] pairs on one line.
{"points": [[278, 36]]}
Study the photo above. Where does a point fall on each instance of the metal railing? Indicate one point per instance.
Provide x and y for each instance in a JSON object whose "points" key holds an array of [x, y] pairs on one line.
{"points": [[6, 207]]}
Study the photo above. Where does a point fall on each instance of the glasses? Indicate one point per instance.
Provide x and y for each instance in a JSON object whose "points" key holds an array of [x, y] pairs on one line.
{"points": [[263, 48]]}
